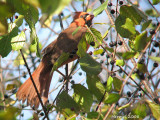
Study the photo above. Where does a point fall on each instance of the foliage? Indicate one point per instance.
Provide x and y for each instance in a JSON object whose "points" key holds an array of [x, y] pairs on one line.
{"points": [[119, 79]]}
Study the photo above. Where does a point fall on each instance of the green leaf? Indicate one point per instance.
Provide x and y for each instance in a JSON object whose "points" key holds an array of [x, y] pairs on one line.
{"points": [[125, 27], [140, 13], [117, 83], [157, 59], [66, 105], [140, 110], [82, 47], [89, 65], [10, 114], [33, 47], [155, 2], [35, 41], [18, 41], [60, 60], [109, 84], [94, 36], [99, 10], [124, 106], [142, 68], [145, 25], [29, 12], [34, 3], [109, 49], [127, 55], [38, 53], [120, 62], [155, 108], [19, 20], [48, 7], [94, 116], [96, 87], [31, 16], [133, 13], [99, 51], [135, 75], [6, 10], [137, 55], [140, 41], [83, 97], [11, 26], [89, 37], [129, 25], [3, 26], [5, 42], [112, 98], [151, 12]]}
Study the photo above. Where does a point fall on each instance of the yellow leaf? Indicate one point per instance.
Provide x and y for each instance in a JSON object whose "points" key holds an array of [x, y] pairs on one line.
{"points": [[10, 86]]}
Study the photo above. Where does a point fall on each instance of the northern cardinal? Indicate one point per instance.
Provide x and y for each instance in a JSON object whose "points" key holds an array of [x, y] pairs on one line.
{"points": [[66, 42]]}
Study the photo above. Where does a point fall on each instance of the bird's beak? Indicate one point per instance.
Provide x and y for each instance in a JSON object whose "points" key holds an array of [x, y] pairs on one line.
{"points": [[89, 17], [92, 16]]}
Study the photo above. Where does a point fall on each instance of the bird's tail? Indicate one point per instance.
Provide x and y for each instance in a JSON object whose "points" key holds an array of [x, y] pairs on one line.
{"points": [[42, 77]]}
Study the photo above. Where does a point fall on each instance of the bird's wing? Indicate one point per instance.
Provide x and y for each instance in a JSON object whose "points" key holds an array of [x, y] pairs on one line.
{"points": [[66, 42]]}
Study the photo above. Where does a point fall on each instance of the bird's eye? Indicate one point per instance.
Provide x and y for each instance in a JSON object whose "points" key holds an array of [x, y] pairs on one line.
{"points": [[84, 16], [81, 16]]}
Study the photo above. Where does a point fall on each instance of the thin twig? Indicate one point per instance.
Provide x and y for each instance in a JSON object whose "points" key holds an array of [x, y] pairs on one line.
{"points": [[73, 7], [61, 23], [50, 29], [67, 78], [87, 4], [73, 68], [55, 88], [109, 111], [39, 97], [60, 73], [101, 101], [2, 85], [148, 88]]}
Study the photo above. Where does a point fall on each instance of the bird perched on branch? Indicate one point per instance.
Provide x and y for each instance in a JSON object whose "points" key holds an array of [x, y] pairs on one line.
{"points": [[66, 42]]}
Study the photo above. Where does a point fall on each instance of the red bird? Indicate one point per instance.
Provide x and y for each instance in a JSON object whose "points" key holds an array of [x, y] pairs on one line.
{"points": [[66, 42]]}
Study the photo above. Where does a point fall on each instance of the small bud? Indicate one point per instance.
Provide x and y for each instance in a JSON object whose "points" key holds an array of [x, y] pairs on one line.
{"points": [[92, 43], [112, 11], [110, 4]]}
